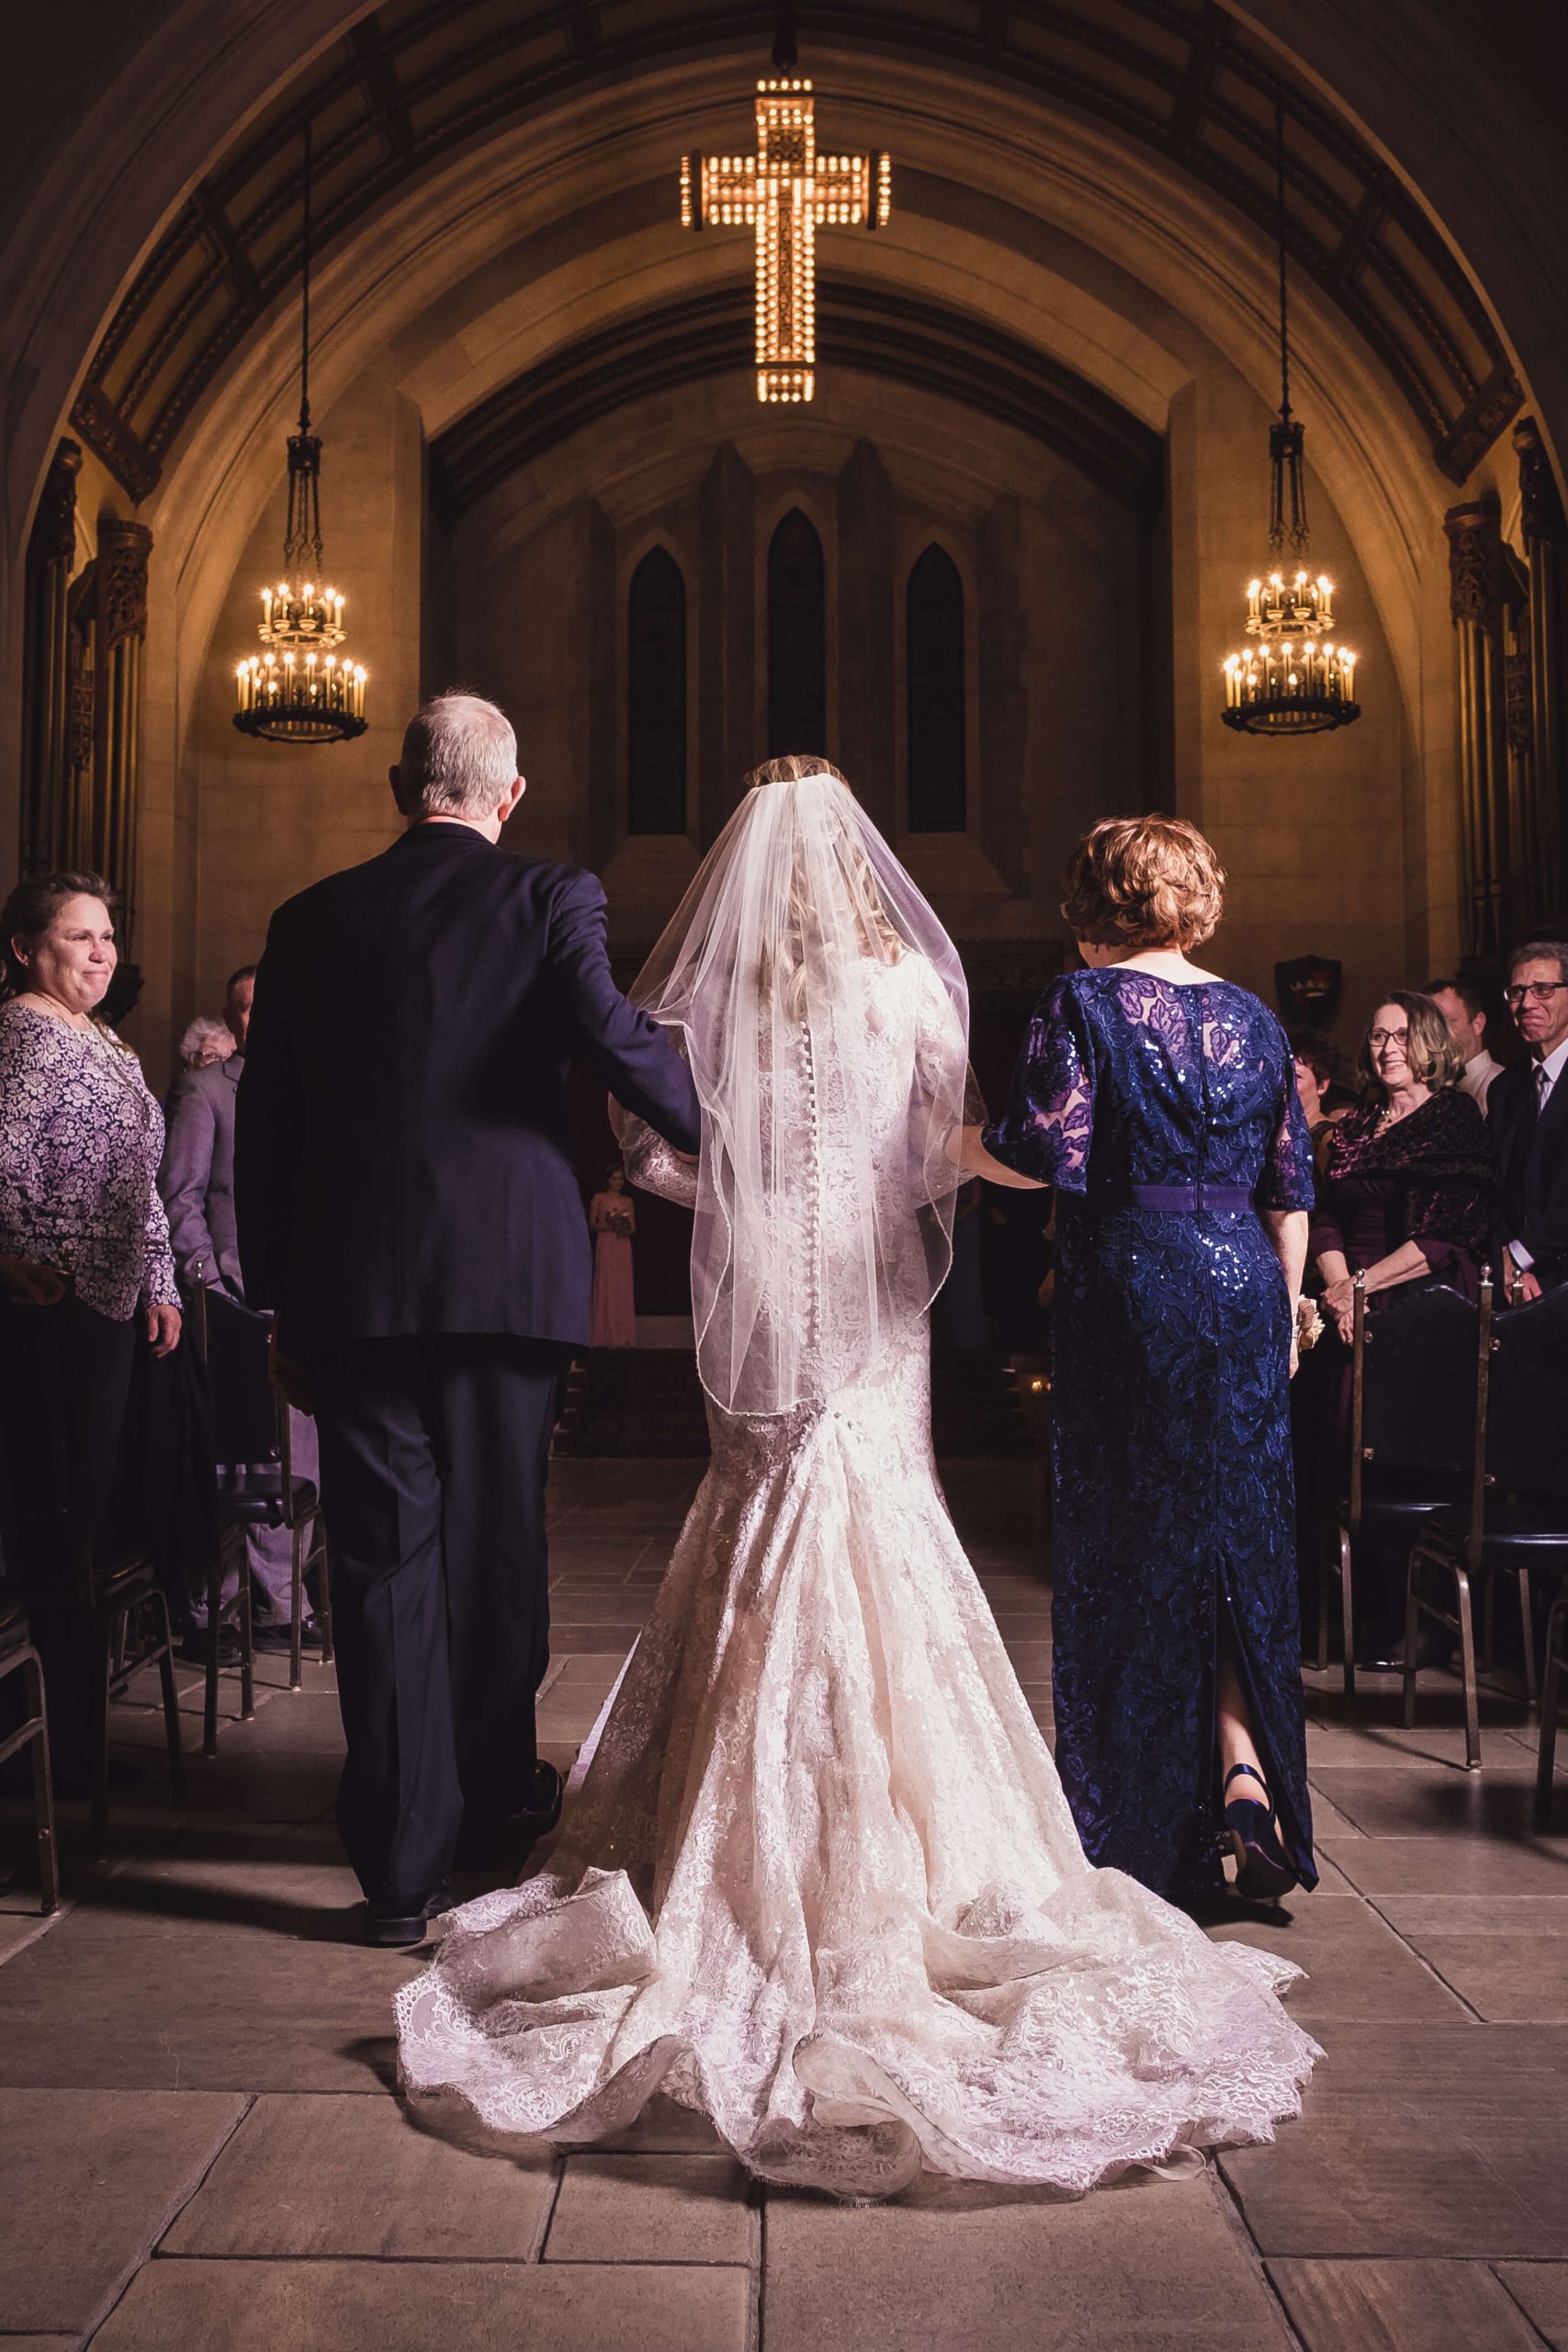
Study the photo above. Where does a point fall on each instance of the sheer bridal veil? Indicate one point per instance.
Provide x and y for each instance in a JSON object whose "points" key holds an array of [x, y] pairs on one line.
{"points": [[823, 1013]]}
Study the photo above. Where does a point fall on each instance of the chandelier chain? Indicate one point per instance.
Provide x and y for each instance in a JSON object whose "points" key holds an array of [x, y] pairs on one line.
{"points": [[1284, 293], [305, 288]]}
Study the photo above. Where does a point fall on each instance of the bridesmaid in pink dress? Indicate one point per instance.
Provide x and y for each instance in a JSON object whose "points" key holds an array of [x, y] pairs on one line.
{"points": [[611, 1219]]}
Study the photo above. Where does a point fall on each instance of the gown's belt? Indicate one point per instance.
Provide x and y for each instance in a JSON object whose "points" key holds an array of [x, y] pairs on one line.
{"points": [[1184, 1200]]}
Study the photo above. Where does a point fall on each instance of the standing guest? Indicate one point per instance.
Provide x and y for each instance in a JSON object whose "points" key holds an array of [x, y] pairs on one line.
{"points": [[206, 1042], [611, 1220], [412, 1212], [1315, 1076], [1406, 1194], [197, 1181], [1407, 1183], [1161, 1101], [1459, 1003], [84, 1238], [1529, 1119]]}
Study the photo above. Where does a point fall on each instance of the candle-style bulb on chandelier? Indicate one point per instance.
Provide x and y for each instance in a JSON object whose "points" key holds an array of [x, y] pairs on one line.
{"points": [[302, 688], [1291, 679]]}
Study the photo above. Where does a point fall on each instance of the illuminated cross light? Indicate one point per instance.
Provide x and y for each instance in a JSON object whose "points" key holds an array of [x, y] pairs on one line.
{"points": [[783, 194]]}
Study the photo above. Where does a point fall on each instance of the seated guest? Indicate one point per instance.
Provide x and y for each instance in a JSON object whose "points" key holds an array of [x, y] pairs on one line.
{"points": [[197, 1181], [79, 1138], [1406, 1193], [1527, 1116], [206, 1042], [1459, 1003]]}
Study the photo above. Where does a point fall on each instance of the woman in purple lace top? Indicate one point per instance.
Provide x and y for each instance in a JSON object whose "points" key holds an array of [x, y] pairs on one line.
{"points": [[83, 1241], [1405, 1196], [1406, 1189]]}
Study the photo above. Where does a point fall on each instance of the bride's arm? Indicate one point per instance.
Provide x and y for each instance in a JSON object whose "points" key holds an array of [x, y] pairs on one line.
{"points": [[651, 1164], [976, 1161]]}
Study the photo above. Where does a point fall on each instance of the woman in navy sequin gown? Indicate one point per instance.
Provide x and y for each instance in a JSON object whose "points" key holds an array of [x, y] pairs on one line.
{"points": [[1161, 1102]]}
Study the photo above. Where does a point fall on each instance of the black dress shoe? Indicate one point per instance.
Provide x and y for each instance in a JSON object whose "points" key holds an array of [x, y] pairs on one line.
{"points": [[274, 1634], [396, 1921], [485, 1843]]}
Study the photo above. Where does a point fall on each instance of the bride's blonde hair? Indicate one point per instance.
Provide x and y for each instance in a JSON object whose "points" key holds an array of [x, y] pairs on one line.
{"points": [[786, 974]]}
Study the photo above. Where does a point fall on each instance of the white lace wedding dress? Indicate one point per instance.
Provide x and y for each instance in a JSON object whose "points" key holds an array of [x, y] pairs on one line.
{"points": [[818, 1879]]}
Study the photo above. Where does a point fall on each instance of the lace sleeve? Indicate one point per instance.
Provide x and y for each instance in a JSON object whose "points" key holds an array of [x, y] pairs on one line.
{"points": [[1048, 1126], [1285, 1180], [653, 1165]]}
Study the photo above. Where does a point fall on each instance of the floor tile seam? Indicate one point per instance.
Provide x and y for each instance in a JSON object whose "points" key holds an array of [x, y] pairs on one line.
{"points": [[1539, 2335], [115, 2294], [1467, 2006], [441, 2262], [1233, 2215], [757, 2199], [547, 2206]]}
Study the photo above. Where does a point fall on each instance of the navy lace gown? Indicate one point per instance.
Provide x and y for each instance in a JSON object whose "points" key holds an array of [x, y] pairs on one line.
{"points": [[1174, 1507]]}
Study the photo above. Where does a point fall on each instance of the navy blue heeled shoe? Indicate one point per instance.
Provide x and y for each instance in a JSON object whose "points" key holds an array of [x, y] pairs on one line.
{"points": [[1263, 1869]]}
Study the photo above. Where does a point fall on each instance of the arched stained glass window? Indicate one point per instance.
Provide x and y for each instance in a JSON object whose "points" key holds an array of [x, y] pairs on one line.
{"points": [[797, 635], [934, 668], [656, 696]]}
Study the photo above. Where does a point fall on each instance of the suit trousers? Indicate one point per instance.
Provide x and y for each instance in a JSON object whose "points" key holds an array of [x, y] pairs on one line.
{"points": [[434, 1451]]}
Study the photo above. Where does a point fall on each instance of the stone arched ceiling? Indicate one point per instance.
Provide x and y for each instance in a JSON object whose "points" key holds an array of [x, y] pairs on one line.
{"points": [[414, 80], [882, 333]]}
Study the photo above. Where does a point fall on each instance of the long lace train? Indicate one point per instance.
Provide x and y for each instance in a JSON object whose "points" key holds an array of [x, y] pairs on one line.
{"points": [[820, 1880]]}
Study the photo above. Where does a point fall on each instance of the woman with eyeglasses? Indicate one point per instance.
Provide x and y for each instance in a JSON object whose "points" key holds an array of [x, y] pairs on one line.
{"points": [[1406, 1195]]}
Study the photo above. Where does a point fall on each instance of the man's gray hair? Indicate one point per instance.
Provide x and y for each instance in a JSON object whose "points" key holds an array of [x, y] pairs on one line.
{"points": [[1542, 951], [459, 755]]}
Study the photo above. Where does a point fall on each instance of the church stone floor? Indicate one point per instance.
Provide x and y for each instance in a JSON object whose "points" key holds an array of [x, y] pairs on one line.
{"points": [[199, 2146]]}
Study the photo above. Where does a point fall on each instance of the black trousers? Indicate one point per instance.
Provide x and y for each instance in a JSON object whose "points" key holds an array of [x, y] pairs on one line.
{"points": [[434, 1453], [64, 1378]]}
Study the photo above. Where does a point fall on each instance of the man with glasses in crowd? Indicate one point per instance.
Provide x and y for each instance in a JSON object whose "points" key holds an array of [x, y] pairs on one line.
{"points": [[1527, 1116]]}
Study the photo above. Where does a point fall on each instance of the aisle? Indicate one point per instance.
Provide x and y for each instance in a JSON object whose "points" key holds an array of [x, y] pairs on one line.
{"points": [[198, 2147]]}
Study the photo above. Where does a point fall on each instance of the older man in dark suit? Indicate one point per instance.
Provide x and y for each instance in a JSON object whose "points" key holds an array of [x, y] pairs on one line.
{"points": [[414, 1215], [1528, 1119]]}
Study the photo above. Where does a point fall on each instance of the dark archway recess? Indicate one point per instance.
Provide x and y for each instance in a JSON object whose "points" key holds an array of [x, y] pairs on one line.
{"points": [[934, 696], [797, 639], [656, 696]]}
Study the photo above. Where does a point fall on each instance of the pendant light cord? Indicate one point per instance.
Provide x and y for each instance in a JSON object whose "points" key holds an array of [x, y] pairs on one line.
{"points": [[305, 294], [1284, 311], [786, 51]]}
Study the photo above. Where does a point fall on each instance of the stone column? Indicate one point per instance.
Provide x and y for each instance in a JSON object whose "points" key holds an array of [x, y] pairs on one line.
{"points": [[727, 637], [1002, 823], [46, 672], [869, 601], [1474, 567], [1545, 535], [123, 551]]}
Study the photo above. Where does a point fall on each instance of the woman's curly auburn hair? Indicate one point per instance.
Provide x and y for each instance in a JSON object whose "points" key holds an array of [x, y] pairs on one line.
{"points": [[1142, 882]]}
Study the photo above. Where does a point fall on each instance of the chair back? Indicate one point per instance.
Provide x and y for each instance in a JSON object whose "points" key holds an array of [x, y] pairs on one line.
{"points": [[1527, 1437], [245, 1402], [1420, 1375]]}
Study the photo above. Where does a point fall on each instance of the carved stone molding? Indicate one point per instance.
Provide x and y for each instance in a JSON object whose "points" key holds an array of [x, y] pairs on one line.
{"points": [[53, 536], [1542, 515], [123, 551], [1473, 562], [1517, 700]]}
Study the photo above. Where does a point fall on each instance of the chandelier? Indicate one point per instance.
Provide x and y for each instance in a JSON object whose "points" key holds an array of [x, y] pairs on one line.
{"points": [[1292, 679], [785, 193], [301, 689]]}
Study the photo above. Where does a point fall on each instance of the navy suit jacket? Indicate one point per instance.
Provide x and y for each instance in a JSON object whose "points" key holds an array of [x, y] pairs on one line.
{"points": [[1531, 1153], [418, 1177]]}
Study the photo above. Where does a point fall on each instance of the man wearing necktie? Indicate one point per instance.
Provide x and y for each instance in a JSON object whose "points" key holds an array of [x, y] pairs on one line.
{"points": [[1528, 1119]]}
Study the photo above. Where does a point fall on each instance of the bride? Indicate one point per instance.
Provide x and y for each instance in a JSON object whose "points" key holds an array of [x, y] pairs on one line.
{"points": [[817, 1878]]}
